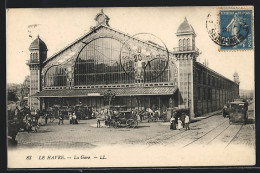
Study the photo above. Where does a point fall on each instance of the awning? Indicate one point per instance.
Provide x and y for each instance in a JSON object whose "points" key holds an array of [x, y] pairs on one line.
{"points": [[100, 92]]}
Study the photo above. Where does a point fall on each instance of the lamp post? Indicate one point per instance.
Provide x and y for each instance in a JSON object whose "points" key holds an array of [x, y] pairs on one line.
{"points": [[109, 96]]}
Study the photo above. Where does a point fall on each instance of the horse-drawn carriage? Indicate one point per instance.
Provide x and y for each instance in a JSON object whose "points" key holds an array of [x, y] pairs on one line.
{"points": [[152, 115], [14, 126], [83, 112], [19, 118], [116, 116], [124, 118]]}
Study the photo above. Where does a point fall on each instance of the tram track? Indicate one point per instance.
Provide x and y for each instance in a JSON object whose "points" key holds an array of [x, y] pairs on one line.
{"points": [[234, 136], [218, 135], [166, 136], [204, 134], [161, 139]]}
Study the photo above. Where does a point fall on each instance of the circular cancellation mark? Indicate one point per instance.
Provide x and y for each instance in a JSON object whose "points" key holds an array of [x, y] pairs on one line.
{"points": [[144, 58]]}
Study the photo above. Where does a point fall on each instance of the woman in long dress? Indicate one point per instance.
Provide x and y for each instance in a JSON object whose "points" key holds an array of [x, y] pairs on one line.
{"points": [[179, 126], [173, 124]]}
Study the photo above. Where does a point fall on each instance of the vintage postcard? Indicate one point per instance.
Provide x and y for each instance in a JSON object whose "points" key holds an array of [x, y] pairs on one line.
{"points": [[130, 87]]}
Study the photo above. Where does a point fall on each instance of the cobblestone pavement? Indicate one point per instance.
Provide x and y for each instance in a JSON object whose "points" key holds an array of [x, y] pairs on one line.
{"points": [[211, 131]]}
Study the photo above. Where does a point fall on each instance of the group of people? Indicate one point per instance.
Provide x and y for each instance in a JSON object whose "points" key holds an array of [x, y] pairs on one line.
{"points": [[73, 118], [104, 115], [181, 122]]}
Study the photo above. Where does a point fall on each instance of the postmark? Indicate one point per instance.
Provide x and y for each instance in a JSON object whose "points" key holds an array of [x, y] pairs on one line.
{"points": [[146, 57], [231, 29]]}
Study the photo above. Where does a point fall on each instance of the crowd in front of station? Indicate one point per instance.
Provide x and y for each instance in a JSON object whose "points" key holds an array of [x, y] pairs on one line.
{"points": [[31, 119], [179, 122]]}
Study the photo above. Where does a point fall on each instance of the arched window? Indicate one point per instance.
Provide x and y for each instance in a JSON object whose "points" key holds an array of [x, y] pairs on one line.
{"points": [[188, 44], [184, 44], [99, 63], [180, 44], [55, 76], [34, 57], [31, 56]]}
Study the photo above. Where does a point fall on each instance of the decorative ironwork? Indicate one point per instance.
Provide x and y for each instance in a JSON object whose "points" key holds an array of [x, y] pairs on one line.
{"points": [[187, 48]]}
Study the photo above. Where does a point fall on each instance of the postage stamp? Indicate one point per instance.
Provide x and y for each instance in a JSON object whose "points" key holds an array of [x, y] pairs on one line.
{"points": [[231, 29], [236, 25]]}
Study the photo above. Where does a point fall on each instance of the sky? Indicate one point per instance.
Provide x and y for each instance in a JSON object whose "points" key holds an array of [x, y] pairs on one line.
{"points": [[58, 27]]}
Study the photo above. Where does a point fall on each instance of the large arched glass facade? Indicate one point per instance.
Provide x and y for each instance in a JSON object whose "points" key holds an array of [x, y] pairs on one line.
{"points": [[55, 76], [99, 63]]}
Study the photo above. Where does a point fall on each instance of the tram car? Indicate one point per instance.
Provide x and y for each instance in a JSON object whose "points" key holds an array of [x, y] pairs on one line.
{"points": [[238, 112]]}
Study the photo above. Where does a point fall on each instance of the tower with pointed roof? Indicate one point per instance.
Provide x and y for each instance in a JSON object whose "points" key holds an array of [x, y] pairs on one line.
{"points": [[186, 36], [38, 54], [236, 78], [186, 54]]}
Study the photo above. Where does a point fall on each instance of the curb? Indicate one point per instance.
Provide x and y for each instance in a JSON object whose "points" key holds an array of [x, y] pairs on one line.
{"points": [[205, 116], [198, 118]]}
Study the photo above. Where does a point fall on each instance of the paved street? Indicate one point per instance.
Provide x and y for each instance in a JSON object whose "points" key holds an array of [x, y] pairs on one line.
{"points": [[211, 131], [211, 141]]}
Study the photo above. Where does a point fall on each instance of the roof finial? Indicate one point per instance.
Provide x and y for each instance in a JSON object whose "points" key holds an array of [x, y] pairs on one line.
{"points": [[38, 36], [185, 19], [102, 11]]}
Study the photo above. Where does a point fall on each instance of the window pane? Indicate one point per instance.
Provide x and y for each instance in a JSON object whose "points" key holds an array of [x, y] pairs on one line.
{"points": [[55, 76]]}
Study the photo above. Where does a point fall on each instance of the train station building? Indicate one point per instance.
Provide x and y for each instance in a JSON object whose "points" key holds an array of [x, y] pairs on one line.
{"points": [[138, 73]]}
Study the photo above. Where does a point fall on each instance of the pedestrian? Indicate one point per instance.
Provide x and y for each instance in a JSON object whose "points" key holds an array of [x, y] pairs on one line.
{"points": [[37, 115], [74, 118], [141, 116], [46, 118], [224, 111], [29, 125], [98, 123], [182, 119], [70, 117], [172, 123], [179, 126], [61, 117], [138, 117], [187, 122]]}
